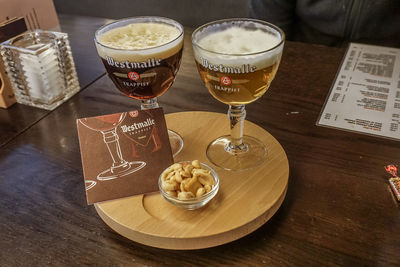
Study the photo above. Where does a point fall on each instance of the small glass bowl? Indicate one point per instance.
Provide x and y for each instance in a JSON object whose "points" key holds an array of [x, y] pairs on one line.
{"points": [[195, 203]]}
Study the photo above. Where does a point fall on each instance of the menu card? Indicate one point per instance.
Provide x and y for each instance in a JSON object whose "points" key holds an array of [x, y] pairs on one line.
{"points": [[365, 97], [123, 154]]}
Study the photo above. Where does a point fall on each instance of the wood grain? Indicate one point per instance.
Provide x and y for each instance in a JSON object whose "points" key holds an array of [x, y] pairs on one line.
{"points": [[245, 201]]}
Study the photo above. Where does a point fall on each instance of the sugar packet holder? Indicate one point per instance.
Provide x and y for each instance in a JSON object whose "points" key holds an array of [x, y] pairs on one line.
{"points": [[394, 181]]}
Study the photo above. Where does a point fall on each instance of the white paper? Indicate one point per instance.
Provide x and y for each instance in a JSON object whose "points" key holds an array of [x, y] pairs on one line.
{"points": [[365, 97]]}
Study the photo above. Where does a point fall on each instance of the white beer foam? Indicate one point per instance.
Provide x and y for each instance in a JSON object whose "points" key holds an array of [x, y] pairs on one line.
{"points": [[139, 36], [236, 46], [237, 40], [140, 41]]}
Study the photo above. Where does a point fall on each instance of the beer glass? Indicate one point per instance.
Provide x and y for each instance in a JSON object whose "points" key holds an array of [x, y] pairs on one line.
{"points": [[142, 56], [107, 125], [237, 60]]}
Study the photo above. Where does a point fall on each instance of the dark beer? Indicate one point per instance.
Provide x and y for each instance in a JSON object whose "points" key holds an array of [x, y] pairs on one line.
{"points": [[147, 82], [142, 59]]}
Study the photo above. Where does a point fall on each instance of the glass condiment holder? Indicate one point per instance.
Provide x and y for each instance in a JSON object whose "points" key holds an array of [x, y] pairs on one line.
{"points": [[41, 68]]}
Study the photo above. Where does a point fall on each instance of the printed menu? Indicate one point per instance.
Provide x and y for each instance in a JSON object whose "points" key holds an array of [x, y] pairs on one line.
{"points": [[123, 154], [365, 96]]}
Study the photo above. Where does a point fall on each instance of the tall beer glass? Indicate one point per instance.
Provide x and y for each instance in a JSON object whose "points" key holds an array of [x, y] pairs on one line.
{"points": [[237, 59], [142, 56]]}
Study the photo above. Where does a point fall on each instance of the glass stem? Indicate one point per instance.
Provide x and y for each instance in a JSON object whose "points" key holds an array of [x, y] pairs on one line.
{"points": [[236, 115], [149, 103], [111, 139]]}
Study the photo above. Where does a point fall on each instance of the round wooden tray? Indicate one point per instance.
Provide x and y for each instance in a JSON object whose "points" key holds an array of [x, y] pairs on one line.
{"points": [[245, 201]]}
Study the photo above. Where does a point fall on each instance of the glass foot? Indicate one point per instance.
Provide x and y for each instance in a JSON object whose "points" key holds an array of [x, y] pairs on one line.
{"points": [[128, 168], [176, 142], [221, 155]]}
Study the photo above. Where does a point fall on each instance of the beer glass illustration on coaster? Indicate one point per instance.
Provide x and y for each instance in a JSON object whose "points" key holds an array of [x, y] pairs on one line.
{"points": [[142, 56], [107, 125], [89, 184], [237, 60]]}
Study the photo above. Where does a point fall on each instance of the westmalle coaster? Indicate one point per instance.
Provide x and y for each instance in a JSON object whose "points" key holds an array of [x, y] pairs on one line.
{"points": [[123, 153]]}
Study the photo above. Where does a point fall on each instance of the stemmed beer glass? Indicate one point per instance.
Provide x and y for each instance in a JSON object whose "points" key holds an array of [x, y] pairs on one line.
{"points": [[107, 125], [237, 59], [142, 56]]}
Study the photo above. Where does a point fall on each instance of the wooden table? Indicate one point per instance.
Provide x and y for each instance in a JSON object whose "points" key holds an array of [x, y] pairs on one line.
{"points": [[19, 118], [338, 209]]}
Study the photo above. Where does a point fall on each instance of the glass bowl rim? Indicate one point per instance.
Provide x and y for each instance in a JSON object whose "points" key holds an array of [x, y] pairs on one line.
{"points": [[281, 32], [193, 200], [138, 18]]}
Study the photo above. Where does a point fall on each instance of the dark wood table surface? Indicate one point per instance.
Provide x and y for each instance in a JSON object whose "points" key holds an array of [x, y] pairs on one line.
{"points": [[338, 210], [18, 118]]}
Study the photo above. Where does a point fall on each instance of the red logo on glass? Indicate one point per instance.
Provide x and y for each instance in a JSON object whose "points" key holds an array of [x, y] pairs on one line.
{"points": [[225, 80], [134, 76]]}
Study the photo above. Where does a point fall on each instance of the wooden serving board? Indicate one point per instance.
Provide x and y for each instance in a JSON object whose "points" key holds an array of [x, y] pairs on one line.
{"points": [[245, 201]]}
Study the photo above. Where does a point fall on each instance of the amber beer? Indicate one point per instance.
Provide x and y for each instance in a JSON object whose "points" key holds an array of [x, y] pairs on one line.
{"points": [[237, 71], [141, 58]]}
